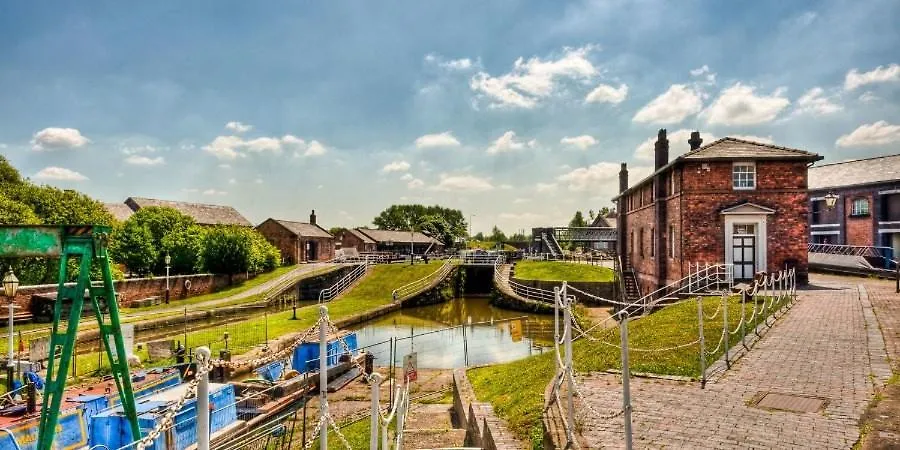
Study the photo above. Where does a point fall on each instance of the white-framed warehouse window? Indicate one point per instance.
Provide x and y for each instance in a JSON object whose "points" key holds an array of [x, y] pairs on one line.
{"points": [[743, 176], [859, 207]]}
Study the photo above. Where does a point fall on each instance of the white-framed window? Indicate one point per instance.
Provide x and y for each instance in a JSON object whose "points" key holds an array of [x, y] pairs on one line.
{"points": [[743, 176], [859, 207]]}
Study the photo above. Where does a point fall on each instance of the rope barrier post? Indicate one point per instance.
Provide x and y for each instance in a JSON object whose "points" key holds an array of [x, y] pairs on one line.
{"points": [[570, 401], [323, 375], [725, 327], [373, 424], [702, 342], [626, 382], [203, 355], [743, 314]]}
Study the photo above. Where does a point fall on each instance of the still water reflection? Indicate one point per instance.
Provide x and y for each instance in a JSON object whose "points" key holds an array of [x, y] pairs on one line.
{"points": [[461, 332]]}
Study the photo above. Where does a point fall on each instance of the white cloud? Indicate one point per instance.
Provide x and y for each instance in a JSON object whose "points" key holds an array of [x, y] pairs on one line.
{"points": [[264, 144], [292, 142], [880, 74], [140, 160], [315, 148], [225, 147], [545, 187], [463, 183], [415, 183], [59, 174], [673, 106], [750, 137], [580, 142], [461, 64], [739, 105], [395, 166], [600, 177], [407, 177], [704, 72], [873, 134], [238, 127], [533, 80], [678, 144], [138, 150], [57, 138], [605, 93], [505, 143], [444, 139], [214, 192], [815, 103], [868, 97]]}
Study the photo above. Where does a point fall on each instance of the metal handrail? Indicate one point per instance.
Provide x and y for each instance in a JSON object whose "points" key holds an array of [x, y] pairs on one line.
{"points": [[524, 291], [694, 282], [850, 250], [329, 293], [410, 289]]}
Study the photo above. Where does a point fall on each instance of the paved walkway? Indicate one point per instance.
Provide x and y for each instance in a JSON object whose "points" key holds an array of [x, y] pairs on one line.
{"points": [[821, 348]]}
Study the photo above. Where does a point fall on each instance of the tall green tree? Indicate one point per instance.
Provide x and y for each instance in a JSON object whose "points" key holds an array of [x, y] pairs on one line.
{"points": [[497, 235], [226, 250], [185, 247], [132, 245], [172, 233], [447, 224], [577, 220]]}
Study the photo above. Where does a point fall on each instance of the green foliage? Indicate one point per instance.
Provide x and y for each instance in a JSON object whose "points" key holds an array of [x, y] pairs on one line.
{"points": [[8, 173], [172, 233], [336, 231], [13, 212], [233, 249], [185, 247], [444, 224], [497, 235], [479, 236], [263, 255], [578, 220], [132, 245], [562, 271]]}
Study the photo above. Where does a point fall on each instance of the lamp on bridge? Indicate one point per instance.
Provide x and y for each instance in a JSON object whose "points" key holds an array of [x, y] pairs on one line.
{"points": [[830, 200], [10, 288]]}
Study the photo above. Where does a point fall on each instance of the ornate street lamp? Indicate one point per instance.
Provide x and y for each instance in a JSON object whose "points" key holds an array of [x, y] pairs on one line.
{"points": [[10, 287], [830, 200], [168, 263]]}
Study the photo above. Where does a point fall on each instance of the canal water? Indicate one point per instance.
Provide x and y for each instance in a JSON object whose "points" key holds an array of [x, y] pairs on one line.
{"points": [[459, 333]]}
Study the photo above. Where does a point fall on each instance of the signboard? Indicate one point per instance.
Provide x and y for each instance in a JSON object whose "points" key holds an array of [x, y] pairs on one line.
{"points": [[410, 367], [128, 337], [39, 349], [515, 330]]}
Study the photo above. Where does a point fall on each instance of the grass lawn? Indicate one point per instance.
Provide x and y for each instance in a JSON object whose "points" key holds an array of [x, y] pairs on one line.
{"points": [[516, 389], [488, 245], [562, 271], [373, 291]]}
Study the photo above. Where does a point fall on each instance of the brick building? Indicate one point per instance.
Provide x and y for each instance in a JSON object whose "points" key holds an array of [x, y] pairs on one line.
{"points": [[202, 213], [731, 201], [369, 240], [299, 241], [867, 211]]}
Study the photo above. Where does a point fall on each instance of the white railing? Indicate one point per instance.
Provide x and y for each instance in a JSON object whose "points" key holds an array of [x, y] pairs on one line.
{"points": [[522, 290], [473, 259], [851, 250], [329, 293], [411, 289], [701, 278]]}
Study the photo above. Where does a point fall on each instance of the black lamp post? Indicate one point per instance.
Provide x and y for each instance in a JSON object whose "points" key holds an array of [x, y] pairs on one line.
{"points": [[10, 288], [168, 264]]}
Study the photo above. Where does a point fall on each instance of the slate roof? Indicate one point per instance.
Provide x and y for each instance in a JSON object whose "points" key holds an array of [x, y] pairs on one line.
{"points": [[203, 214], [880, 169], [120, 211], [608, 221], [361, 236], [395, 236], [304, 229], [733, 148]]}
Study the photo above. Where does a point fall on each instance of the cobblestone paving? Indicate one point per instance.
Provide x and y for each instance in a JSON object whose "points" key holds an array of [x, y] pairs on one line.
{"points": [[821, 348]]}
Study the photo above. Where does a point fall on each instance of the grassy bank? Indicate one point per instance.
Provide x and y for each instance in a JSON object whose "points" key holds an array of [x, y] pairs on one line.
{"points": [[562, 271], [516, 389]]}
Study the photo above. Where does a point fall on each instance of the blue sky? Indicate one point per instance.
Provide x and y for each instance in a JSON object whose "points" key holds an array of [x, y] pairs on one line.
{"points": [[517, 112]]}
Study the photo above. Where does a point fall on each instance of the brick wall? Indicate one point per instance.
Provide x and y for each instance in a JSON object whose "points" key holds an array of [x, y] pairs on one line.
{"points": [[639, 223], [324, 252], [859, 230], [282, 238]]}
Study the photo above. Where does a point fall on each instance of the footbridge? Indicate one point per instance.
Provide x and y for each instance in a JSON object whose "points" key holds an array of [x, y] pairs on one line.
{"points": [[547, 240]]}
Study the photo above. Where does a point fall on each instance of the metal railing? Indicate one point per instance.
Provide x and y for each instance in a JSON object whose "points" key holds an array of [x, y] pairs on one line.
{"points": [[700, 279], [522, 290], [329, 293], [851, 250], [473, 259], [415, 287]]}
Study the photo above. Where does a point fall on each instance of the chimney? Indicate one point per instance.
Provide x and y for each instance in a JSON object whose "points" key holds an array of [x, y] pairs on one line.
{"points": [[312, 217], [661, 149], [623, 178], [695, 140]]}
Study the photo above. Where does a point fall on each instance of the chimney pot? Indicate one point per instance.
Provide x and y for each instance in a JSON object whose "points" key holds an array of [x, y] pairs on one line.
{"points": [[695, 141], [312, 217], [661, 149], [623, 178]]}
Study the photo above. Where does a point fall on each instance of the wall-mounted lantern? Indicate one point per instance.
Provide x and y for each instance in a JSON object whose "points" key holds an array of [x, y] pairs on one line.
{"points": [[830, 200]]}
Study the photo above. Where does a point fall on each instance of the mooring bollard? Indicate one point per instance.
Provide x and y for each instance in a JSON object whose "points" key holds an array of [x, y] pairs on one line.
{"points": [[373, 424], [323, 376], [203, 355]]}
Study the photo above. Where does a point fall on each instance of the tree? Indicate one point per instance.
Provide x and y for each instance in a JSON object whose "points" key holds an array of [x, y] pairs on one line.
{"points": [[497, 235], [226, 250], [132, 245], [604, 211], [336, 231], [479, 236], [8, 173], [185, 247], [402, 217], [577, 220], [591, 215], [163, 222]]}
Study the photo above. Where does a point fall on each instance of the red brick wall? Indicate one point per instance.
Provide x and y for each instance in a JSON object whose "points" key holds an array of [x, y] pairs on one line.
{"points": [[644, 266], [859, 229], [282, 238], [325, 249]]}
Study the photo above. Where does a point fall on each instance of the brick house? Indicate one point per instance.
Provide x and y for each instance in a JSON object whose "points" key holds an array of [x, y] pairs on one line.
{"points": [[733, 201], [202, 213], [299, 241], [867, 211], [353, 238], [393, 241]]}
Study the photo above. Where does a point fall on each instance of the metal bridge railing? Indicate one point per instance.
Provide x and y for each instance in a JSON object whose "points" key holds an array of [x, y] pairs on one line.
{"points": [[329, 293], [851, 250], [524, 291], [411, 289]]}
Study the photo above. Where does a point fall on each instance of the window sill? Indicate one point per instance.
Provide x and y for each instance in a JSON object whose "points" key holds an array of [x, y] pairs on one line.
{"points": [[858, 216], [744, 188]]}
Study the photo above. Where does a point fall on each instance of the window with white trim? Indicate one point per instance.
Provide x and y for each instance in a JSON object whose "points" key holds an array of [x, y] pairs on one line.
{"points": [[743, 176], [859, 207]]}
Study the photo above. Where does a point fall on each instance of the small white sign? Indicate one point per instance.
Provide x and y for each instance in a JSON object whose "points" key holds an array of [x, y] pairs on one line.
{"points": [[128, 337], [410, 367]]}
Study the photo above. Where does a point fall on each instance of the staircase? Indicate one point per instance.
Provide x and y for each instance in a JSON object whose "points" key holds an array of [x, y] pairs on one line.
{"points": [[632, 288], [554, 247]]}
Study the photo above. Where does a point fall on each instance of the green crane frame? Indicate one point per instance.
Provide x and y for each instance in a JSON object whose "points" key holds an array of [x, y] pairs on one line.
{"points": [[87, 244]]}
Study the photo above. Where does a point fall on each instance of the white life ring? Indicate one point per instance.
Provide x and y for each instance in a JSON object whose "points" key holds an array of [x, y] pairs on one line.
{"points": [[187, 284]]}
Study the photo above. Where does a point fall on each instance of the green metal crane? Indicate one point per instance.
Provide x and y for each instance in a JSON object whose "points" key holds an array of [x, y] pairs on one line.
{"points": [[87, 244]]}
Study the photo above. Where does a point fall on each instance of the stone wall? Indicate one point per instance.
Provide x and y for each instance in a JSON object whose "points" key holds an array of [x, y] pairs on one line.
{"points": [[483, 428]]}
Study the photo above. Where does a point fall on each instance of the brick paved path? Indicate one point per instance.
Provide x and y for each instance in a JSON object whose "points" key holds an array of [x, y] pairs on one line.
{"points": [[821, 348]]}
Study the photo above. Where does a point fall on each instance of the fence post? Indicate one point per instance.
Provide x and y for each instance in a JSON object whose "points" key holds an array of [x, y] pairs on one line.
{"points": [[570, 402], [323, 376], [743, 315], [376, 408], [726, 327], [702, 343], [626, 382], [203, 354]]}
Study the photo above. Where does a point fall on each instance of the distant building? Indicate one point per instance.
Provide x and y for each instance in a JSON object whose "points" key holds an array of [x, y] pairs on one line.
{"points": [[369, 240], [605, 221], [119, 211], [731, 201], [203, 214], [867, 211], [299, 241]]}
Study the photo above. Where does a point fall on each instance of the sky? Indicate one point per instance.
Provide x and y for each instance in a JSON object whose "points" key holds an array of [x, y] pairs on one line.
{"points": [[516, 112]]}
